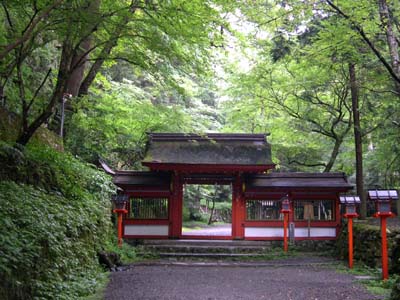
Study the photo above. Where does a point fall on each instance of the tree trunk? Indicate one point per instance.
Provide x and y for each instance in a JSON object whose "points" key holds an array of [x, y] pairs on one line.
{"points": [[78, 62], [212, 212], [59, 90], [77, 71], [105, 52], [213, 205], [95, 68], [387, 25], [357, 140], [77, 68], [334, 154]]}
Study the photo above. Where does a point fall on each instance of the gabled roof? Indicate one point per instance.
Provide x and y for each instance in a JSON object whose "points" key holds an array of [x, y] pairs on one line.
{"points": [[298, 181], [141, 180], [138, 180], [212, 149]]}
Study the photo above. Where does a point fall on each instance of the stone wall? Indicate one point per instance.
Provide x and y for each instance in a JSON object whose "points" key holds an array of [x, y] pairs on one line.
{"points": [[367, 245], [321, 246]]}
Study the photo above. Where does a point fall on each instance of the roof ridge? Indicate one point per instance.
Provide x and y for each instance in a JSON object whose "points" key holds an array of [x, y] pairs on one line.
{"points": [[260, 137]]}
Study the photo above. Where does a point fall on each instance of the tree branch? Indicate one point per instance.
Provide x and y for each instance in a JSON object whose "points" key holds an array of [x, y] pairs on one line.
{"points": [[38, 89], [7, 15], [366, 40], [27, 33], [293, 161]]}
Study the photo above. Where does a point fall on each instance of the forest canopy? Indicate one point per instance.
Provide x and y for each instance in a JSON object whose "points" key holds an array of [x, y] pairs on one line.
{"points": [[322, 77], [85, 80]]}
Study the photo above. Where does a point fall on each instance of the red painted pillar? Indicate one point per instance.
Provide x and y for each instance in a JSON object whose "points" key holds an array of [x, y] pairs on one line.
{"points": [[286, 208], [119, 229], [238, 209], [176, 203], [385, 272], [285, 231], [350, 231], [120, 213], [349, 217]]}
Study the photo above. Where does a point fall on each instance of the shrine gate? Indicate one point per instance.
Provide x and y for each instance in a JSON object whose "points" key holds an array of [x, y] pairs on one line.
{"points": [[242, 161]]}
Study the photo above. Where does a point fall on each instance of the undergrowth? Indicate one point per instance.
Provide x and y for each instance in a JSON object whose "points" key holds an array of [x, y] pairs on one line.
{"points": [[55, 217]]}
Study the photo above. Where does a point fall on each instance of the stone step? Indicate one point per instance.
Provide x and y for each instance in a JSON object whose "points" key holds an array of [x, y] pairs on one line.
{"points": [[278, 261], [209, 255], [206, 248], [211, 243]]}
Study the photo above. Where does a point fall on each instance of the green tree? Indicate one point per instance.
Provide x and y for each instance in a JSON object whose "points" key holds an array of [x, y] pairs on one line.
{"points": [[164, 38]]}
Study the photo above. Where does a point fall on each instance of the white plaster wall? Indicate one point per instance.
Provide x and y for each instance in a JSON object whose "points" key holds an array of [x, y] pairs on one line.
{"points": [[315, 232], [263, 232], [146, 230], [299, 232]]}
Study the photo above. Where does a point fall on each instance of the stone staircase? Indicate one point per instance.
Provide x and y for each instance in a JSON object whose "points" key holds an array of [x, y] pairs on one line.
{"points": [[209, 249]]}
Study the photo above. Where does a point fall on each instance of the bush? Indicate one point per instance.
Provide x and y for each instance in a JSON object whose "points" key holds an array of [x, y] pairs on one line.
{"points": [[185, 214], [395, 295], [367, 245], [55, 217]]}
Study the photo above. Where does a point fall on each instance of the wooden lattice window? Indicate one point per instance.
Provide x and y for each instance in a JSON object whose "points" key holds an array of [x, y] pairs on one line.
{"points": [[314, 210], [149, 208], [260, 210]]}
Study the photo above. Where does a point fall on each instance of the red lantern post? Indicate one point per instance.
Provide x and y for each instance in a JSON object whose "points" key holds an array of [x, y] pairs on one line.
{"points": [[119, 207], [382, 199], [285, 211], [351, 212]]}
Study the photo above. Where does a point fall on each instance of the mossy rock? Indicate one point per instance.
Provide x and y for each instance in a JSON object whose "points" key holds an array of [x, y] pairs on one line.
{"points": [[15, 166], [10, 124]]}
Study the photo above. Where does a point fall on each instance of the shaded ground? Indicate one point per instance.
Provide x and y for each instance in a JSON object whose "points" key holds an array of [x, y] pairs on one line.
{"points": [[277, 280]]}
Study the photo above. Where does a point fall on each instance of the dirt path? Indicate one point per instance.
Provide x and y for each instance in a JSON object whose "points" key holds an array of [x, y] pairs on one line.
{"points": [[210, 281]]}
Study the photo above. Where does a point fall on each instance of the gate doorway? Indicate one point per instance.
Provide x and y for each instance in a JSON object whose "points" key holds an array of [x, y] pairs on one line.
{"points": [[179, 162], [207, 211]]}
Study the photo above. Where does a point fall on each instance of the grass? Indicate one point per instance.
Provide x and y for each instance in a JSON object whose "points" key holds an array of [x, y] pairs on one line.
{"points": [[380, 287], [101, 288], [127, 254], [375, 284]]}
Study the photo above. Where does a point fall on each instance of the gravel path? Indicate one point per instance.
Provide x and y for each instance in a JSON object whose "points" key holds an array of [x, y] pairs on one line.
{"points": [[211, 282]]}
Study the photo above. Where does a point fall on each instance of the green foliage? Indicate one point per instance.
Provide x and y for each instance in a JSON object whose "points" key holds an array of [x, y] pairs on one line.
{"points": [[199, 201], [168, 41], [185, 214], [126, 252], [113, 124], [51, 227], [297, 87]]}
